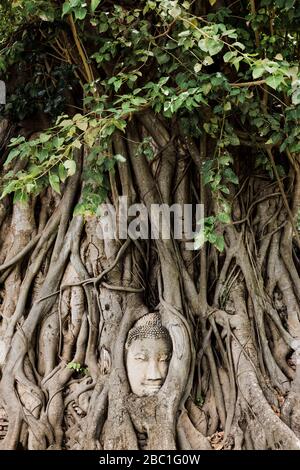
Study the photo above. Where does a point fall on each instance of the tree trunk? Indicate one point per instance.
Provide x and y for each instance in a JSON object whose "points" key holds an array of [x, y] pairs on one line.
{"points": [[69, 298]]}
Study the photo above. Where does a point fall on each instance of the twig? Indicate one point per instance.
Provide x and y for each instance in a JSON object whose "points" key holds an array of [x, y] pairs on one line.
{"points": [[87, 68], [247, 84]]}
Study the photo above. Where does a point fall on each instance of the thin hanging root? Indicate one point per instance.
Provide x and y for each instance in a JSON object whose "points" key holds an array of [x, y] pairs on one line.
{"points": [[21, 255], [92, 280], [235, 367], [277, 434], [216, 387]]}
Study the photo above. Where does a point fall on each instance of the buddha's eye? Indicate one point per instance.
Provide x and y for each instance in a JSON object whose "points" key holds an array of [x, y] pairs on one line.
{"points": [[141, 358], [164, 358]]}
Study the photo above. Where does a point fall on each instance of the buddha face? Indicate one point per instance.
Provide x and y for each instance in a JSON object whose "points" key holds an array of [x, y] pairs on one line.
{"points": [[147, 363]]}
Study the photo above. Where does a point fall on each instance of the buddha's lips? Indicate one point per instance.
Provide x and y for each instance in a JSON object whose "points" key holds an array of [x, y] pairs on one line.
{"points": [[153, 387]]}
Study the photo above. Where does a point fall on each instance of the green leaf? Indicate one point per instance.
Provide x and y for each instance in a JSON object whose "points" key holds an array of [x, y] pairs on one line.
{"points": [[43, 155], [34, 170], [9, 188], [175, 12], [66, 8], [219, 243], [62, 173], [47, 15], [163, 58], [210, 45], [240, 45], [138, 100], [236, 62], [203, 45], [258, 72], [296, 96], [58, 141], [74, 365], [208, 61], [12, 154], [30, 187], [80, 13], [274, 81], [229, 55], [230, 176], [197, 67], [224, 217], [225, 159], [94, 4], [20, 196], [206, 88], [16, 141], [70, 166], [77, 144], [82, 125], [117, 84], [54, 182], [44, 138], [208, 176], [224, 189]]}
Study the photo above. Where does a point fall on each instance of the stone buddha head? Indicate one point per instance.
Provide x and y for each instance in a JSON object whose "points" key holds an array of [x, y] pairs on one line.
{"points": [[148, 351]]}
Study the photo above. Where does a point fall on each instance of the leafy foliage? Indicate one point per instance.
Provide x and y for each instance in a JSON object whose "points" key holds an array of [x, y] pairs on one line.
{"points": [[235, 81], [77, 367]]}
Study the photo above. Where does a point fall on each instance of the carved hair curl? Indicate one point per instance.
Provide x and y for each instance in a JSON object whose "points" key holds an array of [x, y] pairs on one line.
{"points": [[148, 326]]}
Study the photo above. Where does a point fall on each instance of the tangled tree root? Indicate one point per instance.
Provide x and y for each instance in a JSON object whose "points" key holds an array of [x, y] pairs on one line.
{"points": [[69, 299]]}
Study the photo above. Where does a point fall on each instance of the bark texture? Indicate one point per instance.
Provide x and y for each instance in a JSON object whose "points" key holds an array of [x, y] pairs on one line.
{"points": [[67, 296]]}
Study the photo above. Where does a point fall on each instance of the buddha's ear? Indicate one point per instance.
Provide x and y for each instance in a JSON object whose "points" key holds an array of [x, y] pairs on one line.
{"points": [[178, 340], [179, 378]]}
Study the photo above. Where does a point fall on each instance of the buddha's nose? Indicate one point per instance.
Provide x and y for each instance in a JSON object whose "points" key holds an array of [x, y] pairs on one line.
{"points": [[153, 372]]}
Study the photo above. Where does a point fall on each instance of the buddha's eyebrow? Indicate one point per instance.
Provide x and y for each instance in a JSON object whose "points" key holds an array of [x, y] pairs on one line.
{"points": [[138, 353]]}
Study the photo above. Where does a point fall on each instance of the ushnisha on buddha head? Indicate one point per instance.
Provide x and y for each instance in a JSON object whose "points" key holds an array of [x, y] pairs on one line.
{"points": [[148, 351]]}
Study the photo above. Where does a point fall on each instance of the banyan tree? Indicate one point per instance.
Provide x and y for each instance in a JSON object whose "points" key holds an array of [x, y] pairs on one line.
{"points": [[112, 340]]}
